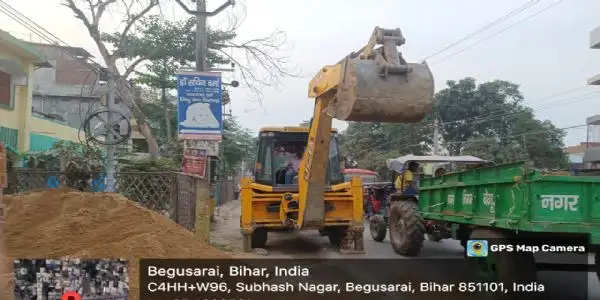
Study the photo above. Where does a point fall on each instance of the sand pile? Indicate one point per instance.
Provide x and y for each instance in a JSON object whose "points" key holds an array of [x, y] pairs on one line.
{"points": [[58, 223]]}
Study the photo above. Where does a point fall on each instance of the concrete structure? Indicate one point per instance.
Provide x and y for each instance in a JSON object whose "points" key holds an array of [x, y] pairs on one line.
{"points": [[20, 131], [595, 44], [72, 88], [577, 152]]}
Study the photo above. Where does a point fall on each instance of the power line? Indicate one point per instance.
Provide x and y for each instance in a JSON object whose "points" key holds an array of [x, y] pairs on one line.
{"points": [[497, 21], [372, 146], [518, 135], [445, 58], [44, 34], [31, 21], [544, 107], [493, 114]]}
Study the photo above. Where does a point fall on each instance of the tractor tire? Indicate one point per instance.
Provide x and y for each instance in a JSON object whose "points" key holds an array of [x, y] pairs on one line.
{"points": [[508, 267], [259, 238], [597, 263], [378, 227], [336, 235], [407, 230]]}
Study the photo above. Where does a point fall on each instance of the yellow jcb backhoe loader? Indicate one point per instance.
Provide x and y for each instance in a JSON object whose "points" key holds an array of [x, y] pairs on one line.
{"points": [[372, 85]]}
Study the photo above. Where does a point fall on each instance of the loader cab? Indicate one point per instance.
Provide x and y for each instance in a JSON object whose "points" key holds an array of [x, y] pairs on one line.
{"points": [[280, 152]]}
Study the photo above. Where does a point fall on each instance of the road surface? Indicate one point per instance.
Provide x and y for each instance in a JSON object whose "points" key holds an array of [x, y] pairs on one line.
{"points": [[226, 235]]}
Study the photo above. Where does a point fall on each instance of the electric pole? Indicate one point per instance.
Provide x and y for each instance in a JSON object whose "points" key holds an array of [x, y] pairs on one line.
{"points": [[110, 149], [201, 35], [436, 137]]}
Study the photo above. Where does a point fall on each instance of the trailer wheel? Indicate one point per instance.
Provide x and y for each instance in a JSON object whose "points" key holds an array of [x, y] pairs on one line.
{"points": [[377, 227], [259, 238], [597, 264], [336, 235], [507, 267], [407, 231]]}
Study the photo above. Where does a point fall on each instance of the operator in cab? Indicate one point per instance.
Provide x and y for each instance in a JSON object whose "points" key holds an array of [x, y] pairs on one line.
{"points": [[406, 182]]}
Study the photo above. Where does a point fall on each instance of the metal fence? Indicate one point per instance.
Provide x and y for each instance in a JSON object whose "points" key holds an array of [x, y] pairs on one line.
{"points": [[169, 193]]}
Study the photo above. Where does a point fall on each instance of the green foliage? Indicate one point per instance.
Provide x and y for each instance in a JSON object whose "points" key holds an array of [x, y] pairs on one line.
{"points": [[238, 144], [65, 154], [486, 120], [169, 46], [154, 109], [147, 164], [489, 120], [370, 144], [467, 100]]}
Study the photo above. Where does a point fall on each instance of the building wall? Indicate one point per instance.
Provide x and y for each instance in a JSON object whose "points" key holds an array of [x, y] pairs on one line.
{"points": [[17, 117], [68, 75], [18, 120]]}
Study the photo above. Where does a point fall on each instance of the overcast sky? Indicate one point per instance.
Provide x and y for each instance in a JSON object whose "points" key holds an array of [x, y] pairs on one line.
{"points": [[546, 54]]}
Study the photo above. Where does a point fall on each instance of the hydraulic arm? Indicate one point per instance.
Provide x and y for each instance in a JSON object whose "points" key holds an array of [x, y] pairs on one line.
{"points": [[373, 85]]}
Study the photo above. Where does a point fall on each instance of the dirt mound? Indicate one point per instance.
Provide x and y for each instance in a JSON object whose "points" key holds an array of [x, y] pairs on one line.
{"points": [[59, 223]]}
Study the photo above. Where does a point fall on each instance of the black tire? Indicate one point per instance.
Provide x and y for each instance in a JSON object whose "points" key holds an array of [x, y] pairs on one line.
{"points": [[407, 231], [336, 235], [259, 238], [597, 263], [377, 227], [507, 267]]}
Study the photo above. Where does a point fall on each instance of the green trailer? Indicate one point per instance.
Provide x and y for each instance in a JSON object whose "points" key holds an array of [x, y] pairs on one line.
{"points": [[504, 201]]}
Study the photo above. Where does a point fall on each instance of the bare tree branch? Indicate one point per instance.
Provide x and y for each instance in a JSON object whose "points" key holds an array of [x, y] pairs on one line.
{"points": [[110, 58], [257, 60], [101, 8], [132, 18], [132, 66]]}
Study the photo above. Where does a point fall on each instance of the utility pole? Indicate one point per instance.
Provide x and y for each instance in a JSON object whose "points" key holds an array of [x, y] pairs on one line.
{"points": [[202, 37], [436, 137], [110, 149], [201, 34]]}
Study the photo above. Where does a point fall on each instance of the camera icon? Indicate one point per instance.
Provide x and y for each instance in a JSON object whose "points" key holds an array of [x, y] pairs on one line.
{"points": [[477, 248]]}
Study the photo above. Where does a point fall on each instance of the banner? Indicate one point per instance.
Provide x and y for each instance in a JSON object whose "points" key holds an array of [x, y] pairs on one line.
{"points": [[199, 108], [195, 161]]}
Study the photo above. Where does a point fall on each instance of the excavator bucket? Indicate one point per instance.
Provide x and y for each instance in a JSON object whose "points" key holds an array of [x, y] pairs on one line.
{"points": [[377, 85], [365, 95]]}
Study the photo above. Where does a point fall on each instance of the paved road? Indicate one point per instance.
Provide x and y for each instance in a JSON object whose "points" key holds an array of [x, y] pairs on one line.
{"points": [[309, 244]]}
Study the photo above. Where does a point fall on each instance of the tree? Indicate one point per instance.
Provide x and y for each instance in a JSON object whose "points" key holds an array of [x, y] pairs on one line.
{"points": [[173, 44], [486, 120], [489, 120], [92, 23], [464, 110], [238, 144], [257, 59], [370, 144]]}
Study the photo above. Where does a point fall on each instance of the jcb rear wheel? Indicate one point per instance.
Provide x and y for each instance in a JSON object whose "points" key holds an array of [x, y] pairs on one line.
{"points": [[259, 238], [377, 227], [407, 231]]}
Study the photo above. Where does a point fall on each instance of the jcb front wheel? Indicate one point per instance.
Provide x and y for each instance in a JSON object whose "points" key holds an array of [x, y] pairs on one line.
{"points": [[336, 235], [259, 238], [407, 231]]}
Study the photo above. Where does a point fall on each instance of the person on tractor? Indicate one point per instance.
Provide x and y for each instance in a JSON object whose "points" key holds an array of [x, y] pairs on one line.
{"points": [[406, 182]]}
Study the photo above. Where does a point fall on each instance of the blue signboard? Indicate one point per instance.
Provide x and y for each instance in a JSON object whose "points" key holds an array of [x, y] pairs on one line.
{"points": [[199, 113]]}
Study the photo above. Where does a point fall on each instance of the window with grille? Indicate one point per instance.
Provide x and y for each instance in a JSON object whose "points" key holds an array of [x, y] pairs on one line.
{"points": [[6, 90]]}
